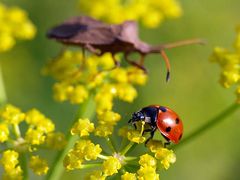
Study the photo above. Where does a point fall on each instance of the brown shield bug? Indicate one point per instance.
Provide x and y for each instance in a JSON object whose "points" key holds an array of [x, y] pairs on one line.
{"points": [[99, 38]]}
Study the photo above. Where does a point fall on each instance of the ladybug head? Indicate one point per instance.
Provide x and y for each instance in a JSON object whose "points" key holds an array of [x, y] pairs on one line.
{"points": [[137, 116]]}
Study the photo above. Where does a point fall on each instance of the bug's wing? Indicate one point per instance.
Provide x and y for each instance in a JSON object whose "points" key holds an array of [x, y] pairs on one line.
{"points": [[72, 26], [129, 32], [85, 20], [66, 31], [82, 30], [94, 36]]}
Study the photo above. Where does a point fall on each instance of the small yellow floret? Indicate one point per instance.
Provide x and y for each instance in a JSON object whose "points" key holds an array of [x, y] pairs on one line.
{"points": [[11, 114], [111, 166], [135, 136], [56, 140], [128, 176], [147, 160], [166, 156], [4, 132], [38, 165], [147, 172], [35, 137], [82, 127]]}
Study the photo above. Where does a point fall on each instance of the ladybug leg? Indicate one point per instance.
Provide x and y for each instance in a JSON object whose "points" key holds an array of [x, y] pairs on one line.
{"points": [[146, 130], [152, 134], [140, 66], [166, 144], [135, 126], [132, 122]]}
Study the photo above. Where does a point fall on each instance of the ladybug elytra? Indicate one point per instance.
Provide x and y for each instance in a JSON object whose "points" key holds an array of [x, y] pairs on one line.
{"points": [[162, 118]]}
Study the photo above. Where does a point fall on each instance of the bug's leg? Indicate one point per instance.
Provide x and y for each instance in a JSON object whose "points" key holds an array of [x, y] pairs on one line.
{"points": [[152, 134], [142, 58], [83, 59], [135, 126], [140, 66], [146, 130], [166, 143], [92, 49], [116, 62]]}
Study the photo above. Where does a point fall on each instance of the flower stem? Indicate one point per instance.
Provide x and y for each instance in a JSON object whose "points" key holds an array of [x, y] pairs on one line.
{"points": [[127, 148], [86, 166], [17, 131], [110, 144], [209, 124], [102, 157], [24, 165], [3, 96], [131, 158], [57, 167]]}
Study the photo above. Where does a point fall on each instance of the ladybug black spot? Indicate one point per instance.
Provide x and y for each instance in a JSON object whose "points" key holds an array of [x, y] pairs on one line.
{"points": [[177, 120], [180, 137], [163, 109], [168, 129]]}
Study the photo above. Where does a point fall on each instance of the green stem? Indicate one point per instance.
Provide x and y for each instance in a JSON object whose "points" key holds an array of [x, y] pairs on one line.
{"points": [[86, 166], [3, 96], [102, 157], [209, 124], [16, 131], [127, 148], [57, 167], [24, 165], [131, 158], [109, 142]]}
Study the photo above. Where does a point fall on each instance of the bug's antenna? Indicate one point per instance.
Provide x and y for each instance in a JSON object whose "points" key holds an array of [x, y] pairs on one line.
{"points": [[184, 43], [165, 58]]}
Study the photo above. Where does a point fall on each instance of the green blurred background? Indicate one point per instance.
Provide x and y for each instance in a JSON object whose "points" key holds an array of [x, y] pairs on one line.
{"points": [[193, 92]]}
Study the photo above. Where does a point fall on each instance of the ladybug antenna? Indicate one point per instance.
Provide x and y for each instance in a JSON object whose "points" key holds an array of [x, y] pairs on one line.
{"points": [[165, 58]]}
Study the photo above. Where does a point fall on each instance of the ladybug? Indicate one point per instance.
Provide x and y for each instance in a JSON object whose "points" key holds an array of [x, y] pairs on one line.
{"points": [[162, 118]]}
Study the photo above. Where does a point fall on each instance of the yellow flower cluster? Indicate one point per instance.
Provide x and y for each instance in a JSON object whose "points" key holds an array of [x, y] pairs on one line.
{"points": [[38, 165], [84, 150], [229, 62], [14, 24], [109, 167], [80, 77], [40, 131], [147, 170], [151, 12], [10, 165], [164, 155], [133, 135]]}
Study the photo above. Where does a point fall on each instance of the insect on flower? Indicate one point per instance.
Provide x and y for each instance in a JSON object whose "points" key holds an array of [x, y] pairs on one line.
{"points": [[161, 118], [99, 38]]}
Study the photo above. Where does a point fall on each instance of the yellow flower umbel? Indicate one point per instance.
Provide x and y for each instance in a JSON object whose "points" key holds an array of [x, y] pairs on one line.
{"points": [[151, 12], [14, 24], [87, 154], [80, 78], [229, 62], [16, 143]]}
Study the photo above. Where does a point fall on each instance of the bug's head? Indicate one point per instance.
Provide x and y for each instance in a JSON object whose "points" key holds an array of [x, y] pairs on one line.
{"points": [[137, 116]]}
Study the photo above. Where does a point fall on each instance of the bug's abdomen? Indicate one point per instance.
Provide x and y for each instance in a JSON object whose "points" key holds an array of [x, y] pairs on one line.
{"points": [[170, 125]]}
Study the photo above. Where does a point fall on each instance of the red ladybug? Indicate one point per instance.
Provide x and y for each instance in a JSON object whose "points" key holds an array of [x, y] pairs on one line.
{"points": [[161, 118]]}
